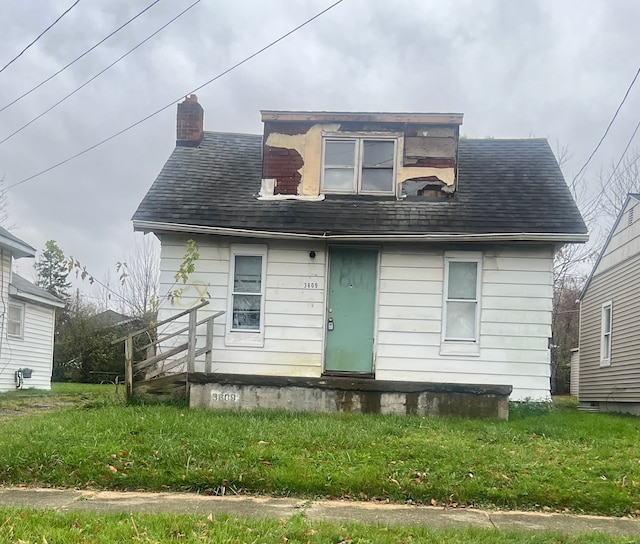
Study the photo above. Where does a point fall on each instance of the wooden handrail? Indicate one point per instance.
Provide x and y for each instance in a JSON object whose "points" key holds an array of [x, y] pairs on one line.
{"points": [[190, 346], [164, 338], [169, 353], [160, 323]]}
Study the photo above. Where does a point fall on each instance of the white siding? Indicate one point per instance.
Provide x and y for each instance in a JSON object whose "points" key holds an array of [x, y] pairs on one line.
{"points": [[516, 296], [294, 316], [7, 367], [34, 350]]}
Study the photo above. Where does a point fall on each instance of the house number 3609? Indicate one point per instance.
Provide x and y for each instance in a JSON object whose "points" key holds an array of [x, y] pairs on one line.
{"points": [[219, 396]]}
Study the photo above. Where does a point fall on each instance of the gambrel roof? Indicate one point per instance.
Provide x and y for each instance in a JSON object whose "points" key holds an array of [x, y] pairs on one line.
{"points": [[506, 189]]}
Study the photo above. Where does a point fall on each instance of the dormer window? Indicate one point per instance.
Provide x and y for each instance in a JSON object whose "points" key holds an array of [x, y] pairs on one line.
{"points": [[358, 166]]}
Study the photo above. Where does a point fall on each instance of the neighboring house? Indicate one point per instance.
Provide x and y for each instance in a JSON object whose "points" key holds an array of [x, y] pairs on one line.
{"points": [[609, 351], [27, 323], [377, 245], [111, 318]]}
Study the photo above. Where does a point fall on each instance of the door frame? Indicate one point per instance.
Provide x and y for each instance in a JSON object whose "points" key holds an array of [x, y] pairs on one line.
{"points": [[327, 279]]}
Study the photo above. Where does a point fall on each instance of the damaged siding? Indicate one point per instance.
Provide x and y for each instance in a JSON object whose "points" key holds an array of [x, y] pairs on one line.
{"points": [[292, 154]]}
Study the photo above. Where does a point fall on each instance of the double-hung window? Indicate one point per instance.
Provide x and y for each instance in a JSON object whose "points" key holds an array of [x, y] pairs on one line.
{"points": [[358, 166], [461, 310], [246, 294], [15, 320], [606, 321]]}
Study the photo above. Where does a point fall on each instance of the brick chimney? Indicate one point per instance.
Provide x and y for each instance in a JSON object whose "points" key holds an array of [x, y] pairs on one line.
{"points": [[190, 122]]}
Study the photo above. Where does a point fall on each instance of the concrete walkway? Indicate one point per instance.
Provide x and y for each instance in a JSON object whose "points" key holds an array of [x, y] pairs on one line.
{"points": [[68, 500]]}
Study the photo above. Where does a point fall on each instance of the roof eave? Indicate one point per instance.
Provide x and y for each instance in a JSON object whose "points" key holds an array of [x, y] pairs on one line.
{"points": [[30, 297], [369, 117], [17, 248], [157, 226]]}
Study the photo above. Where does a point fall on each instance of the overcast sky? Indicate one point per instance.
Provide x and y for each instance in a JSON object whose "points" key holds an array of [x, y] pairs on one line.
{"points": [[556, 69]]}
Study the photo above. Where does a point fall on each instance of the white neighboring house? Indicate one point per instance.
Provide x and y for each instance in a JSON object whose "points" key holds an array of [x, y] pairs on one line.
{"points": [[27, 321]]}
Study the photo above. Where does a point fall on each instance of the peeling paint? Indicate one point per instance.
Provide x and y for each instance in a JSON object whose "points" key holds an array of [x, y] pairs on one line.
{"points": [[404, 173], [309, 146]]}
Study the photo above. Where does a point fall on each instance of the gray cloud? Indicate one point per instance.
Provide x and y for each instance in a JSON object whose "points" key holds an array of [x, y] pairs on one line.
{"points": [[554, 69]]}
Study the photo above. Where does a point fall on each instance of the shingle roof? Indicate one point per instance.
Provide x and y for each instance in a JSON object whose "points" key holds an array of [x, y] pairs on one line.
{"points": [[17, 247], [504, 186], [23, 286]]}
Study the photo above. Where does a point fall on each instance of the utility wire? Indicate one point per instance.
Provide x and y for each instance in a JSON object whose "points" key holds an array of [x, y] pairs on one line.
{"points": [[591, 206], [126, 129], [635, 131], [97, 75], [81, 56], [608, 127], [38, 37]]}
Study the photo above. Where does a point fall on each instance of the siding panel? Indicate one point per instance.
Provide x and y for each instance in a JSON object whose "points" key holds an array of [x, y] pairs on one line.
{"points": [[515, 310], [619, 382]]}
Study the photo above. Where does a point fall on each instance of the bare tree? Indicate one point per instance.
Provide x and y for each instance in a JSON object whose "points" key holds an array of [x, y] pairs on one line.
{"points": [[570, 267], [139, 276], [622, 179], [573, 262], [4, 207]]}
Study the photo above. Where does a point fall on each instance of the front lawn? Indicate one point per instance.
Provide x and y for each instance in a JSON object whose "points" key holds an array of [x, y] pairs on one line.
{"points": [[541, 459], [37, 527]]}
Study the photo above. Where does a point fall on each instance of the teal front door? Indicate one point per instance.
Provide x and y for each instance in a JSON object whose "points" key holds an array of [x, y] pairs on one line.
{"points": [[351, 308]]}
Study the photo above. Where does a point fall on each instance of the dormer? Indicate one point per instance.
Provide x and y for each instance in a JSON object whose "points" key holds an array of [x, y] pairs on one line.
{"points": [[395, 155]]}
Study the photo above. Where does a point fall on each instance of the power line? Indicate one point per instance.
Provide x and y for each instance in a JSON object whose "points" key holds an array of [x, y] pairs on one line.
{"points": [[81, 56], [126, 129], [39, 36], [596, 199], [97, 75], [608, 127], [635, 131]]}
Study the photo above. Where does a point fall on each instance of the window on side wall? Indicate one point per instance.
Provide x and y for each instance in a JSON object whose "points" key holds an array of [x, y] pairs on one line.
{"points": [[245, 321], [15, 321], [358, 166], [606, 322], [461, 304]]}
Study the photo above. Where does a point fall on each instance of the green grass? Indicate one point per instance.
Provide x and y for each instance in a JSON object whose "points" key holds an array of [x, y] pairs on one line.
{"points": [[37, 527], [62, 395], [542, 458]]}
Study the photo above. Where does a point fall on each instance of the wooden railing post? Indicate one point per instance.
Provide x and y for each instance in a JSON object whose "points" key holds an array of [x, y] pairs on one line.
{"points": [[207, 361], [128, 366], [191, 342]]}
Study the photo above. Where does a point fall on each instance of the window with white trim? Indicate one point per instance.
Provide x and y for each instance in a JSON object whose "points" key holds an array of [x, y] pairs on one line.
{"points": [[245, 315], [247, 293], [15, 320], [358, 166], [606, 321], [461, 304]]}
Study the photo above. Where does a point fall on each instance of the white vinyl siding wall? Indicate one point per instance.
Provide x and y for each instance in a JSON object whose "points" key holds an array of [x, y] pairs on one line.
{"points": [[293, 315], [515, 321], [515, 307], [34, 350]]}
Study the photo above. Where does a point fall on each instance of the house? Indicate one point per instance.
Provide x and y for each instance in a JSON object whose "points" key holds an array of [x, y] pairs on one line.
{"points": [[373, 247], [111, 318], [27, 321], [609, 345]]}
